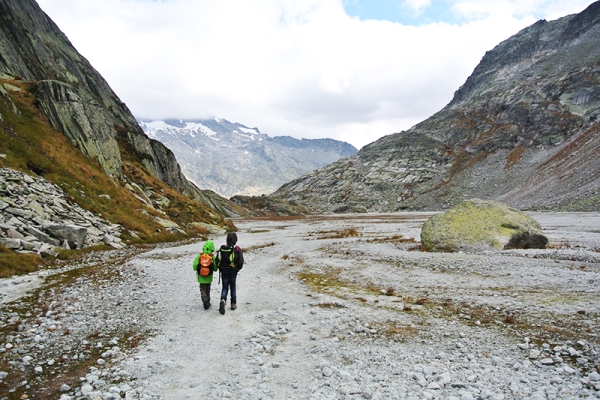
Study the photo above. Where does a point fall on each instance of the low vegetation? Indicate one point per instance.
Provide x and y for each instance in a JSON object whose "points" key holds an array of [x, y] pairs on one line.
{"points": [[12, 263]]}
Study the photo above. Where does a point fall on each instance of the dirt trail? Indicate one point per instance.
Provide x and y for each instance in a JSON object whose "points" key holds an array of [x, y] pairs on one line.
{"points": [[294, 339]]}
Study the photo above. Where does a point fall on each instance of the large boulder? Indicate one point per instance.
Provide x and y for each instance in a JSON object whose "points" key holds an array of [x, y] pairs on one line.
{"points": [[477, 225], [73, 234]]}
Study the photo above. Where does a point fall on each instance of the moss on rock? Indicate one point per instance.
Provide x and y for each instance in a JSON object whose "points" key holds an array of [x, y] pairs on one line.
{"points": [[476, 225]]}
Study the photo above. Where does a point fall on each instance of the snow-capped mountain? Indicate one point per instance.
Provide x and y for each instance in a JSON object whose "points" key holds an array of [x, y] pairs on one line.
{"points": [[232, 159]]}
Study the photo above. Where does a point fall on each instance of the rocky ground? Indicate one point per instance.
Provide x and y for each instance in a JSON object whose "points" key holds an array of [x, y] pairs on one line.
{"points": [[38, 217], [342, 307]]}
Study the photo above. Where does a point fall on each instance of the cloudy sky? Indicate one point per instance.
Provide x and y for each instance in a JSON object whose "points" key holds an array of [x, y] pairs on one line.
{"points": [[353, 70]]}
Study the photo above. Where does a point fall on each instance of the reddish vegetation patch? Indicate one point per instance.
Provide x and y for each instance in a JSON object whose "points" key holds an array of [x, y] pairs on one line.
{"points": [[514, 157], [584, 142]]}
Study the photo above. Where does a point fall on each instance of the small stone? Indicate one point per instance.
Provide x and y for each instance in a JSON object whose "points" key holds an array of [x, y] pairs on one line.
{"points": [[86, 389], [38, 370], [568, 369], [65, 388], [143, 374], [350, 390], [573, 352], [533, 354], [445, 378], [594, 377]]}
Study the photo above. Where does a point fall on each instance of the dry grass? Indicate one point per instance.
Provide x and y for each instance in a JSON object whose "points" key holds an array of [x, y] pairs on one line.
{"points": [[394, 238], [12, 263], [321, 235], [258, 247], [330, 305], [258, 230], [395, 331]]}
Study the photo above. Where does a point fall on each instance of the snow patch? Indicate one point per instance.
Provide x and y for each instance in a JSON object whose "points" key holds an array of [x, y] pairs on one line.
{"points": [[252, 131], [199, 128]]}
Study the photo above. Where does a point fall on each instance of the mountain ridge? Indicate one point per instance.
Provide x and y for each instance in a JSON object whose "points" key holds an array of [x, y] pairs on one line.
{"points": [[233, 159], [522, 130]]}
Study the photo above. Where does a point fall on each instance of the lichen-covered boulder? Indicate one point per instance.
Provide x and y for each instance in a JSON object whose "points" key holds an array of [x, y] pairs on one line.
{"points": [[477, 225]]}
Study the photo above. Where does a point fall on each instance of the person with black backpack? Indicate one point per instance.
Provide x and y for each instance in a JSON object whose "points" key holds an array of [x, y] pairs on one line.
{"points": [[230, 260]]}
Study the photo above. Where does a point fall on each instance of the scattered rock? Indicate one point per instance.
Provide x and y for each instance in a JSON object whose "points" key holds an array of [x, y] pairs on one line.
{"points": [[35, 210]]}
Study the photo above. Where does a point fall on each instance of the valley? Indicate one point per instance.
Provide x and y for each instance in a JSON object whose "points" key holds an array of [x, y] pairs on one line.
{"points": [[328, 307]]}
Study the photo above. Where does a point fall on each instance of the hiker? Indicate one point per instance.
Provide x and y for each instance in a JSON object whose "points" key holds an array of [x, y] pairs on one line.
{"points": [[230, 261], [204, 266]]}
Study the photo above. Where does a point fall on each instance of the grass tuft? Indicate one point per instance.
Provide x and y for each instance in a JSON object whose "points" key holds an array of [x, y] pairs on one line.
{"points": [[12, 263]]}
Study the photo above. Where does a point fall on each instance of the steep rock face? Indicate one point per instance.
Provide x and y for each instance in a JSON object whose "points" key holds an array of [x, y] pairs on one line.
{"points": [[523, 129], [74, 96], [231, 159], [83, 120]]}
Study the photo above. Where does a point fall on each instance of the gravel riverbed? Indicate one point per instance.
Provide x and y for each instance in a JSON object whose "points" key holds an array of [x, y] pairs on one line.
{"points": [[335, 307]]}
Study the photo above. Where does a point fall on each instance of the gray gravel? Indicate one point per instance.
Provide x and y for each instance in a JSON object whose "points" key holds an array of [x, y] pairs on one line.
{"points": [[366, 316]]}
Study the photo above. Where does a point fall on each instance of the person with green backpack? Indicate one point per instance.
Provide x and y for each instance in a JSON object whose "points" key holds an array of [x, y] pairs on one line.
{"points": [[230, 260], [204, 265]]}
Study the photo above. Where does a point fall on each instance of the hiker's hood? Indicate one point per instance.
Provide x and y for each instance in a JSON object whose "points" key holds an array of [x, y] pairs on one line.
{"points": [[208, 247], [231, 239]]}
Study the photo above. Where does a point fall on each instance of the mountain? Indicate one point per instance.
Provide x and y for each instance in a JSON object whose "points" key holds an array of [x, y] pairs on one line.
{"points": [[524, 129], [232, 159], [60, 120]]}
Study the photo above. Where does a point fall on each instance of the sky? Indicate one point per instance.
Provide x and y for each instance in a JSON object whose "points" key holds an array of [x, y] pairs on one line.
{"points": [[351, 70]]}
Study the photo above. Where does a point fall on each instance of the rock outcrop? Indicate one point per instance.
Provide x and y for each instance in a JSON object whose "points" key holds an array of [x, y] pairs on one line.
{"points": [[36, 216], [523, 129], [76, 113], [478, 225]]}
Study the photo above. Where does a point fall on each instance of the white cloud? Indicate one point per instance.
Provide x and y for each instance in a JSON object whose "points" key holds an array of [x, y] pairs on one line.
{"points": [[304, 69], [416, 6], [549, 9]]}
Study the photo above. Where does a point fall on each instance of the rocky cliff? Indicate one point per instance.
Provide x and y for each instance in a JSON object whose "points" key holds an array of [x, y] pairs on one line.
{"points": [[523, 130], [232, 159], [38, 59]]}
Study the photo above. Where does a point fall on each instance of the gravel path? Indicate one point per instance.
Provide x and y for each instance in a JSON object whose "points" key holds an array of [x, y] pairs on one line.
{"points": [[341, 307]]}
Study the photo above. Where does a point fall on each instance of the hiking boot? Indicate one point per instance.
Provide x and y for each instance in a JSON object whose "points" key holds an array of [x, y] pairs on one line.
{"points": [[206, 304], [233, 306], [222, 307]]}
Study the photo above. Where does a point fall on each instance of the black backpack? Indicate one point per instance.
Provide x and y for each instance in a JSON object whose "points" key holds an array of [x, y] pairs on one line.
{"points": [[226, 258]]}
